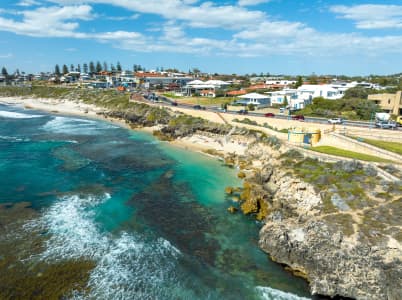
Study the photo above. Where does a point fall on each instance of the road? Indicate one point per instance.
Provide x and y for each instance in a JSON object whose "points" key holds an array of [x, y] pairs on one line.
{"points": [[168, 102]]}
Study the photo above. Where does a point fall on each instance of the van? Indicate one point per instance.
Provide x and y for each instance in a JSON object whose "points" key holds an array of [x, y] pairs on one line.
{"points": [[281, 110]]}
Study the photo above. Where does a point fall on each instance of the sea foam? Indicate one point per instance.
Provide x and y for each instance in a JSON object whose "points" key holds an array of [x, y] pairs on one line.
{"points": [[68, 125], [268, 293], [15, 115], [128, 266]]}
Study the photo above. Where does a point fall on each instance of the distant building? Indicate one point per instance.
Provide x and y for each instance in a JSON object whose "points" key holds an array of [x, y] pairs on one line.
{"points": [[391, 103]]}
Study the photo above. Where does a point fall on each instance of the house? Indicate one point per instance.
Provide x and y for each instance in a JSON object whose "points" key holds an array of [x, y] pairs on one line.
{"points": [[391, 103], [311, 91], [255, 99], [279, 97], [196, 86], [208, 93]]}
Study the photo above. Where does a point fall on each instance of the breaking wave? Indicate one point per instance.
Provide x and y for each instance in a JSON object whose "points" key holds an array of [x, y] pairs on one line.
{"points": [[268, 293], [128, 266], [15, 115], [75, 126]]}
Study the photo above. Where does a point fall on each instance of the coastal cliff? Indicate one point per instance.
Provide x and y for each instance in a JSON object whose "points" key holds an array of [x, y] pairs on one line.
{"points": [[336, 225]]}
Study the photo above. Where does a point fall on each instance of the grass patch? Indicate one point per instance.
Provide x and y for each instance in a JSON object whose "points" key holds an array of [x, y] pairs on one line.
{"points": [[349, 154], [390, 146]]}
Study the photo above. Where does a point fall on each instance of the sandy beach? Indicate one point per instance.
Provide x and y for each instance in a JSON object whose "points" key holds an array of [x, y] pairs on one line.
{"points": [[198, 143]]}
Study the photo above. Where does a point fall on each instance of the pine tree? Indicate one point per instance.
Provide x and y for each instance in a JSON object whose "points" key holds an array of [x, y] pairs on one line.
{"points": [[57, 70], [105, 66], [112, 68], [4, 72], [79, 68], [85, 67], [91, 67], [65, 69], [118, 67], [71, 68], [98, 67]]}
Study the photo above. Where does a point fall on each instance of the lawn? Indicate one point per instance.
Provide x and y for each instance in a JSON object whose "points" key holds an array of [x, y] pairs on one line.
{"points": [[390, 146], [349, 154]]}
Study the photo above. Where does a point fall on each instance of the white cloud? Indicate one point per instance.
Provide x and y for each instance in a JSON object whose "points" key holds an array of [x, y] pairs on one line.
{"points": [[8, 55], [204, 15], [48, 21], [371, 16], [252, 2], [28, 3]]}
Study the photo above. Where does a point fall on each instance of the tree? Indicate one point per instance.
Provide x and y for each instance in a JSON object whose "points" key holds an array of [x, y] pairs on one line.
{"points": [[313, 79], [91, 67], [105, 66], [299, 82], [98, 67], [118, 67], [65, 69], [85, 67], [72, 68], [112, 68], [285, 101], [57, 70], [78, 68], [356, 92], [4, 72]]}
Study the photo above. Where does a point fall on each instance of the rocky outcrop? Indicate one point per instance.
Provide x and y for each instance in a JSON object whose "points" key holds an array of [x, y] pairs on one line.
{"points": [[340, 253]]}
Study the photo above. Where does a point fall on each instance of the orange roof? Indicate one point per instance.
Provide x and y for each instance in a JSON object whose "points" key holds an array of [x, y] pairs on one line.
{"points": [[145, 74], [235, 93], [257, 86], [207, 92]]}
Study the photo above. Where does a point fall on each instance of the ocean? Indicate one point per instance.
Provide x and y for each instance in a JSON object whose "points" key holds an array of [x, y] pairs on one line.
{"points": [[89, 210]]}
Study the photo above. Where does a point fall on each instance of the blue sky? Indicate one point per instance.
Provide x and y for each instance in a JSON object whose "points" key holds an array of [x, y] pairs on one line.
{"points": [[229, 36]]}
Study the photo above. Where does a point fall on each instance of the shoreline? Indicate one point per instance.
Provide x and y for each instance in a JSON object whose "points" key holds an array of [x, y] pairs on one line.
{"points": [[212, 147]]}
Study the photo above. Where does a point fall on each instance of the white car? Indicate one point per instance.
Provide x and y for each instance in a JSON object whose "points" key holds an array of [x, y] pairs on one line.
{"points": [[335, 121]]}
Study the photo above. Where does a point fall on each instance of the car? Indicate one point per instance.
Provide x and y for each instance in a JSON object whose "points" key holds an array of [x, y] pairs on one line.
{"points": [[335, 121], [243, 112], [174, 103], [197, 106], [386, 125], [269, 115], [298, 117]]}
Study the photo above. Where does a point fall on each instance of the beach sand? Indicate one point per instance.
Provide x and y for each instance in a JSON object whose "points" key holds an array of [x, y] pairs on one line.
{"points": [[196, 142]]}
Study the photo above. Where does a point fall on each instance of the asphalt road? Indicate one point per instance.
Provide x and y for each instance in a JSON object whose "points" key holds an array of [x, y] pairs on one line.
{"points": [[168, 102]]}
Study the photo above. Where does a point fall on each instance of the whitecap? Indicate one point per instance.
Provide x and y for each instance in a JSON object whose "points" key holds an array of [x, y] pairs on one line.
{"points": [[16, 115], [75, 126], [128, 266], [268, 293]]}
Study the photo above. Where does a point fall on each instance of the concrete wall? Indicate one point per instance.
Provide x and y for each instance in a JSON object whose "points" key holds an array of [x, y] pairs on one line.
{"points": [[339, 141]]}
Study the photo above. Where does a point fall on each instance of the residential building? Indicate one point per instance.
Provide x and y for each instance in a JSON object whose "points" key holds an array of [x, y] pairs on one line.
{"points": [[391, 103], [256, 99], [311, 91]]}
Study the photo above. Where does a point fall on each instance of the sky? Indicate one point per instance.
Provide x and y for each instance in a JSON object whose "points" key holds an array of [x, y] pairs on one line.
{"points": [[227, 37]]}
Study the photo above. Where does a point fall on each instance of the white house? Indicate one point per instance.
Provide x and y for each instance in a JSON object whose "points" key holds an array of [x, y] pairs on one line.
{"points": [[198, 86], [278, 97], [311, 91], [255, 99]]}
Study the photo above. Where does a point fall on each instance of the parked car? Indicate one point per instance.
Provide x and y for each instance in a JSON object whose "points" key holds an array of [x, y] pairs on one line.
{"points": [[269, 115], [174, 103], [298, 117], [386, 125], [197, 106], [243, 112], [335, 121]]}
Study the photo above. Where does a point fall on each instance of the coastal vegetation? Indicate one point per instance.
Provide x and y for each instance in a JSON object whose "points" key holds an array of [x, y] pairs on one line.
{"points": [[348, 108]]}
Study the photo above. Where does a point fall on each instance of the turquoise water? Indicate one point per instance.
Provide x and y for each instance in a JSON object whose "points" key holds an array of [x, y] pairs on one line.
{"points": [[151, 216]]}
